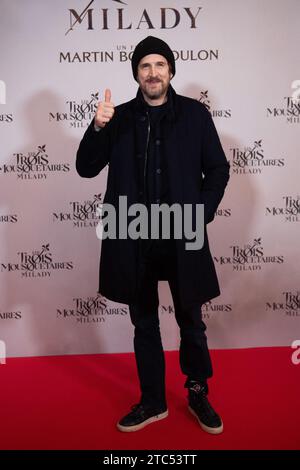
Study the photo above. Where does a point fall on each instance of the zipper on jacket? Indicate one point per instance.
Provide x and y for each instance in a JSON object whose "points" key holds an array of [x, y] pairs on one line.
{"points": [[146, 155]]}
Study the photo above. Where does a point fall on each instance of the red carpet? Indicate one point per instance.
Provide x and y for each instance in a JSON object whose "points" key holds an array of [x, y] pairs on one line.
{"points": [[73, 402]]}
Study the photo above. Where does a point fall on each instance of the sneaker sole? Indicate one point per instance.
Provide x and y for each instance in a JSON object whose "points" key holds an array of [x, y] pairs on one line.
{"points": [[205, 428], [137, 427]]}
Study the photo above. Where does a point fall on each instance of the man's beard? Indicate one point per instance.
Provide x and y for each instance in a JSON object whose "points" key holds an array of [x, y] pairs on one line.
{"points": [[156, 93]]}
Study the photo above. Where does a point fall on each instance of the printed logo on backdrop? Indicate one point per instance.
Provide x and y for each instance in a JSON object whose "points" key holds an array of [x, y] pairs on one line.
{"points": [[34, 165], [223, 212], [289, 109], [4, 117], [252, 160], [82, 214], [17, 315], [118, 18], [90, 310], [220, 113], [288, 303], [248, 257], [288, 210], [208, 309], [77, 113], [8, 219], [36, 263]]}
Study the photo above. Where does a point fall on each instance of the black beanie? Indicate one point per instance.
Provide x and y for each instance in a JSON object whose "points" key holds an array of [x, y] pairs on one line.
{"points": [[152, 45]]}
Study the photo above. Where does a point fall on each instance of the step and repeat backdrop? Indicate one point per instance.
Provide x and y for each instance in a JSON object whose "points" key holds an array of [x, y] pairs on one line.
{"points": [[241, 59]]}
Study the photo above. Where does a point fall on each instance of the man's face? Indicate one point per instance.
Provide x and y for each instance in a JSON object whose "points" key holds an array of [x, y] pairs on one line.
{"points": [[153, 76]]}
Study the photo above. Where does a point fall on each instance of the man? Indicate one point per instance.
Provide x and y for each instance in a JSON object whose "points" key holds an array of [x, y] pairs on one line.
{"points": [[161, 148]]}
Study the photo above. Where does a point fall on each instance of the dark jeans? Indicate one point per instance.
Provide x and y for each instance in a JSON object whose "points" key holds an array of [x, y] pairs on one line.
{"points": [[159, 263]]}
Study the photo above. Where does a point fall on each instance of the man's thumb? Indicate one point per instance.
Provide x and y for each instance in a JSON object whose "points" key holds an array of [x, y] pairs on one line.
{"points": [[107, 95]]}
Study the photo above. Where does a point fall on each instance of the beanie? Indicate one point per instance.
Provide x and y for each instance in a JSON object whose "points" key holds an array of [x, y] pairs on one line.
{"points": [[151, 45]]}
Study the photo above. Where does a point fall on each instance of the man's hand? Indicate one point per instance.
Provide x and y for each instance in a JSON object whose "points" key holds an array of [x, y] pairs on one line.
{"points": [[105, 110]]}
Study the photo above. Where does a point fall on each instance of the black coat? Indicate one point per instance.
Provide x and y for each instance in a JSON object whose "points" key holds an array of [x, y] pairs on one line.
{"points": [[198, 173]]}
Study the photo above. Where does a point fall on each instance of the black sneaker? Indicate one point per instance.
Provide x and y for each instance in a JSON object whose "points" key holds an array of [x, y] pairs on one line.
{"points": [[139, 417], [200, 407]]}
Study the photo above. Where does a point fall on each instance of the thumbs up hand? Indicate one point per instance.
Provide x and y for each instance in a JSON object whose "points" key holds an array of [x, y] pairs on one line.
{"points": [[105, 110]]}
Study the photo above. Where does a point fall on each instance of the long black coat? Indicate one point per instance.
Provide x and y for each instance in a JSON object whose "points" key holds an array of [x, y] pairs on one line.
{"points": [[198, 173]]}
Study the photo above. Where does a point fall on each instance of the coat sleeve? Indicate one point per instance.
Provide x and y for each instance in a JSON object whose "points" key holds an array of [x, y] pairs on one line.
{"points": [[215, 168], [93, 152]]}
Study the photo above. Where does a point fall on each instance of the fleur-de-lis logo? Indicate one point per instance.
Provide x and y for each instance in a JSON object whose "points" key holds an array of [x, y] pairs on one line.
{"points": [[257, 143], [41, 149], [204, 99], [95, 96]]}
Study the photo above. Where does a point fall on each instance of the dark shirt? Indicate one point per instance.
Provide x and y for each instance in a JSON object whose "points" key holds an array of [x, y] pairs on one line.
{"points": [[157, 189], [157, 183]]}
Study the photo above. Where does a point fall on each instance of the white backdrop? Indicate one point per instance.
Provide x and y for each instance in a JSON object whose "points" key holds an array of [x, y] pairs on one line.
{"points": [[242, 60]]}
